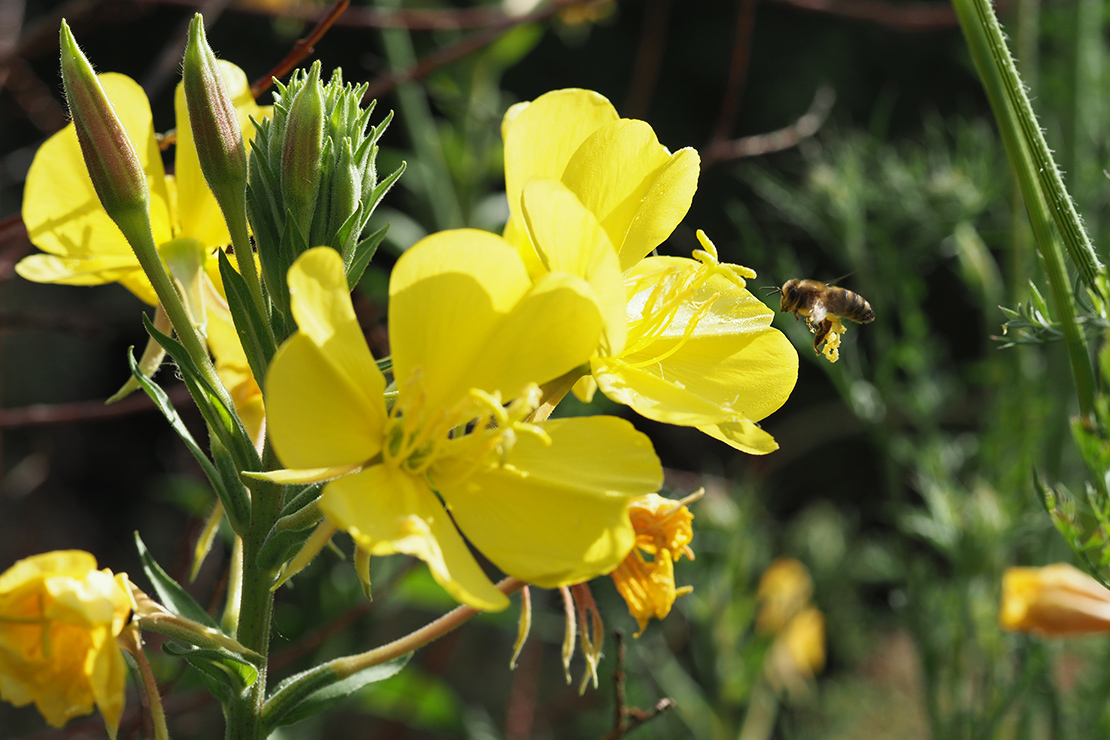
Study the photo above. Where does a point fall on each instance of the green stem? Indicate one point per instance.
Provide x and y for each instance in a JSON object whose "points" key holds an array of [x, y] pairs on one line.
{"points": [[1013, 111], [1046, 199], [136, 229], [256, 605], [291, 694], [244, 253]]}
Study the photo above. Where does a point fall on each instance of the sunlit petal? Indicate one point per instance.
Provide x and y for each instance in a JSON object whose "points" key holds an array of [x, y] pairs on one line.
{"points": [[557, 515], [637, 189], [388, 512]]}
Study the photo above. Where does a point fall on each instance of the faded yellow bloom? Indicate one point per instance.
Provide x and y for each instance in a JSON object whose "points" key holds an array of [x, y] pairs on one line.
{"points": [[1054, 601], [663, 531], [798, 653], [59, 619], [784, 590]]}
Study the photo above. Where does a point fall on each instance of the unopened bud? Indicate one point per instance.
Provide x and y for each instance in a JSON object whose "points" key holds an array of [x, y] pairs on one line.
{"points": [[110, 157], [302, 150], [214, 122]]}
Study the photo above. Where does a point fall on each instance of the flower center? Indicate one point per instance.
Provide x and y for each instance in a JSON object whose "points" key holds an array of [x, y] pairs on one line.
{"points": [[476, 433], [672, 302]]}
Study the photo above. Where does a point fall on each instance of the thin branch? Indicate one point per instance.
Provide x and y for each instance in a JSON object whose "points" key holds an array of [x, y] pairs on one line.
{"points": [[775, 141], [907, 17], [649, 58], [66, 413], [301, 50], [628, 718], [737, 73], [468, 45], [412, 19]]}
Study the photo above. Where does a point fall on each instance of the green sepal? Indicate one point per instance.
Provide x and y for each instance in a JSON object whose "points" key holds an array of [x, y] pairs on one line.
{"points": [[234, 497], [239, 497], [311, 692], [288, 536], [362, 254], [170, 592], [224, 421], [255, 334], [300, 499], [225, 674]]}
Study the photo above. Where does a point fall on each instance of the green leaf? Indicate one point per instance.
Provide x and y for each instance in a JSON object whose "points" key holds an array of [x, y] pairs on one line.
{"points": [[253, 329], [170, 592], [316, 689], [235, 500], [362, 254], [225, 673], [224, 421], [237, 504]]}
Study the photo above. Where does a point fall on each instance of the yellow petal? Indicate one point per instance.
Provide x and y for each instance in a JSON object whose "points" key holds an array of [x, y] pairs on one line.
{"points": [[541, 136], [745, 436], [558, 515], [568, 238], [463, 314], [60, 207], [637, 189], [320, 414], [387, 512]]}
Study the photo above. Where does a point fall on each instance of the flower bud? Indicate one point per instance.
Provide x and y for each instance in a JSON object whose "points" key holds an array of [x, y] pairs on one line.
{"points": [[1053, 601], [301, 151], [214, 121], [113, 164]]}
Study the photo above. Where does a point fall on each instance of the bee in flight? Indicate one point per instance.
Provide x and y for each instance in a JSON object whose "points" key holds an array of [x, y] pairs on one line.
{"points": [[823, 306]]}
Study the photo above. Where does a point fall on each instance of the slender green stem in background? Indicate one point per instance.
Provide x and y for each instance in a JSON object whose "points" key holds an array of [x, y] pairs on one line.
{"points": [[421, 126], [1014, 112], [244, 253], [1046, 199]]}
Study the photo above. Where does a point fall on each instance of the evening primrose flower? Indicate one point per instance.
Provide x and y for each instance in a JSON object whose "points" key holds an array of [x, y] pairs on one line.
{"points": [[471, 336], [1054, 601], [59, 619], [684, 342], [663, 531], [64, 217], [785, 612]]}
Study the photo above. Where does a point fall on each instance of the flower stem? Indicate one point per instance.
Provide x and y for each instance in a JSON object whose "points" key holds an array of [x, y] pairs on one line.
{"points": [[1046, 199]]}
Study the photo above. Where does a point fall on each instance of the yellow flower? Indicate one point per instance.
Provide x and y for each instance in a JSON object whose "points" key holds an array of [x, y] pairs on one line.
{"points": [[1054, 601], [798, 652], [471, 336], [683, 342], [59, 619], [64, 218], [784, 590], [663, 531]]}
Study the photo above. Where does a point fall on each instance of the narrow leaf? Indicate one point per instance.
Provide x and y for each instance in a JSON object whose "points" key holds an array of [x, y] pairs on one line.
{"points": [[172, 595]]}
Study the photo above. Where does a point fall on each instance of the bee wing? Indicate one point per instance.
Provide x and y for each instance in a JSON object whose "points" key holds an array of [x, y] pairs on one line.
{"points": [[818, 312]]}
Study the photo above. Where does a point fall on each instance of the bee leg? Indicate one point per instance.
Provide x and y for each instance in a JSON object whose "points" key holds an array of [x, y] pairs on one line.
{"points": [[820, 332]]}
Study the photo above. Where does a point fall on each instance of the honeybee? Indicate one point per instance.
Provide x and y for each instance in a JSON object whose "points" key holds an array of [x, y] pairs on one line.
{"points": [[822, 305]]}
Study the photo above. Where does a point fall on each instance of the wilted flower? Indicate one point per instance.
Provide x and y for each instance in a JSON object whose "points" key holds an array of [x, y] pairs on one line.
{"points": [[59, 619], [663, 532]]}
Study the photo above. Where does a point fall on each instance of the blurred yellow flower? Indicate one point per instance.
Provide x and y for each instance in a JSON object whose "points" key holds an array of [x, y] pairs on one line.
{"points": [[59, 619], [784, 590], [471, 336], [662, 531], [64, 218], [798, 652], [785, 612], [683, 342], [1054, 601]]}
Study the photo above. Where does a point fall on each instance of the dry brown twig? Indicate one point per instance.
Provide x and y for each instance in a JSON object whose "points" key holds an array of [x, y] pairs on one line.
{"points": [[775, 141], [301, 49], [628, 718]]}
